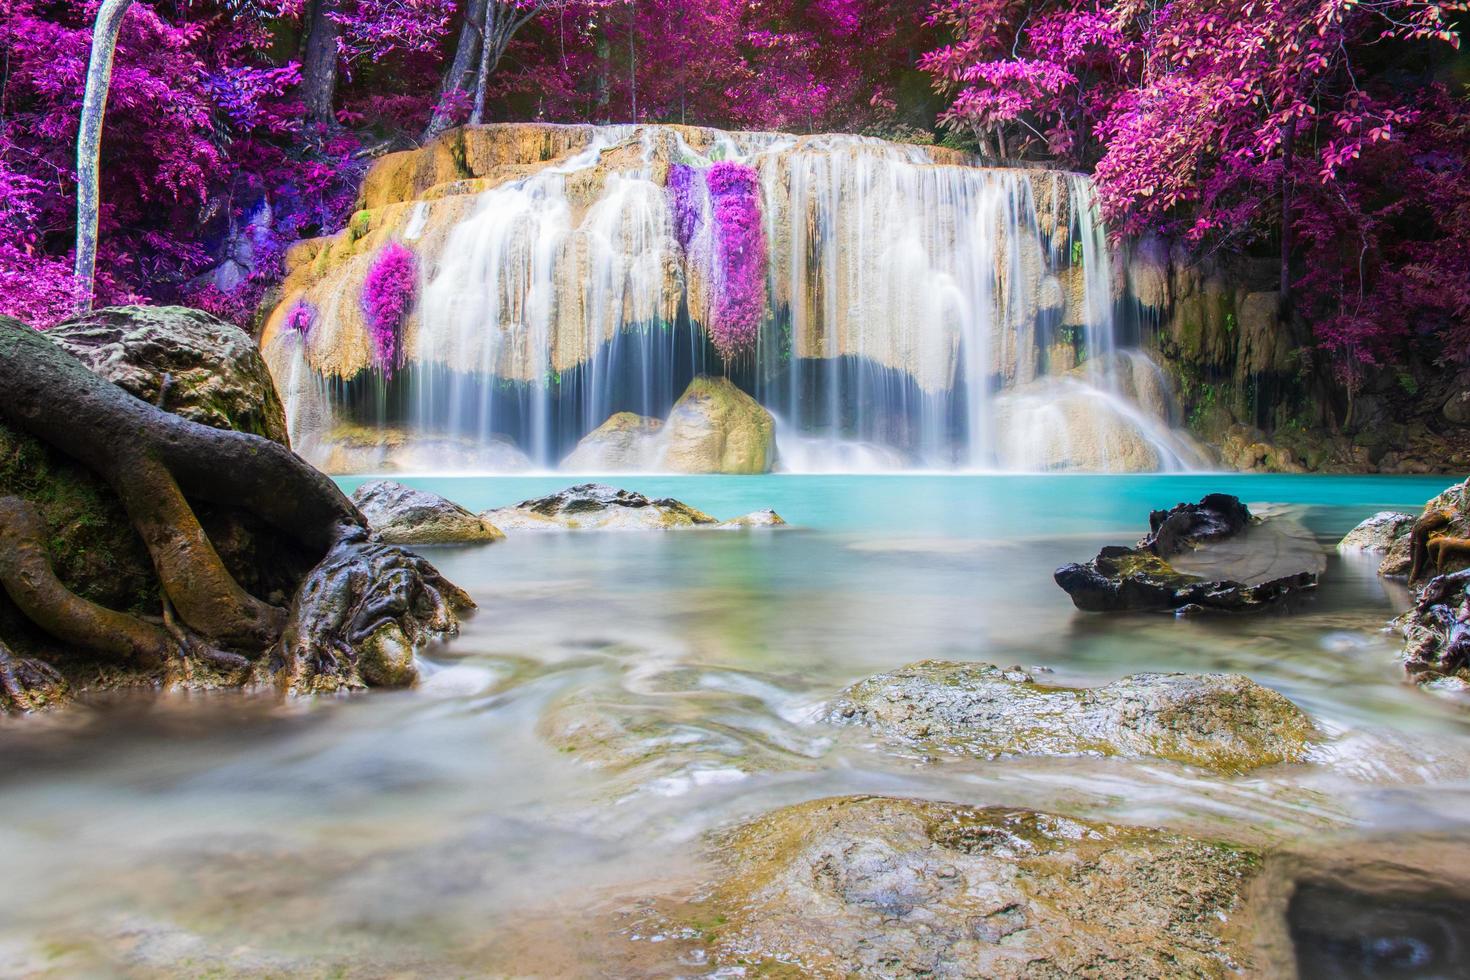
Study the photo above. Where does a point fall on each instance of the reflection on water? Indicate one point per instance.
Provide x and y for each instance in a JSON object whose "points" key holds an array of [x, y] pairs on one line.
{"points": [[1351, 934], [619, 694]]}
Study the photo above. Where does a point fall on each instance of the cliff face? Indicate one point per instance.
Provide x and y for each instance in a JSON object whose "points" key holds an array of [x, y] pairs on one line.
{"points": [[1264, 396]]}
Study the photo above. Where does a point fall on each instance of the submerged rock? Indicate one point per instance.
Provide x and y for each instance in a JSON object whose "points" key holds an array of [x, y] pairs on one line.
{"points": [[596, 506], [876, 886], [1377, 534], [756, 518], [1208, 556], [402, 515], [1224, 722], [717, 428], [625, 443]]}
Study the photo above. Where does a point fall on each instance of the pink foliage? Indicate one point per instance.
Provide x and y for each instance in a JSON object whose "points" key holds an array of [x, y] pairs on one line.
{"points": [[388, 294], [740, 254]]}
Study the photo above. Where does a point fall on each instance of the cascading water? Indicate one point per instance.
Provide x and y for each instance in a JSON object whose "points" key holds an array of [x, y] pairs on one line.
{"points": [[917, 311]]}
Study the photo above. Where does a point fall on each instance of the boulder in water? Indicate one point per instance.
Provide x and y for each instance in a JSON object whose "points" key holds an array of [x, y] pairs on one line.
{"points": [[878, 886], [598, 507], [402, 515], [625, 443], [1224, 722], [717, 428], [1377, 534], [1197, 557]]}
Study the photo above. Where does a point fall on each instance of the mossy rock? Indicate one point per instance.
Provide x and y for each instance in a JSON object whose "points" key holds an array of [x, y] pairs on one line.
{"points": [[1224, 722], [717, 428], [869, 886]]}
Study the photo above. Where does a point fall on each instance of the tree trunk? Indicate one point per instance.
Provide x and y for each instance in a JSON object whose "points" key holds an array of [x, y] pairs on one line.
{"points": [[89, 143], [1288, 150], [461, 73], [356, 618], [319, 64]]}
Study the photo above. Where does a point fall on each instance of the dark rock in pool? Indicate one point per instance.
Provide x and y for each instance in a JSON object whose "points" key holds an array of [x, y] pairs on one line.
{"points": [[886, 887], [1210, 556]]}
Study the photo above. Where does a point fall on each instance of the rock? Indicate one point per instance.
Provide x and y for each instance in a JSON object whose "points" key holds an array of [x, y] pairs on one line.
{"points": [[625, 443], [1457, 408], [402, 515], [595, 506], [717, 428], [1224, 722], [205, 369], [349, 449], [1378, 533], [756, 518], [884, 887], [1197, 557]]}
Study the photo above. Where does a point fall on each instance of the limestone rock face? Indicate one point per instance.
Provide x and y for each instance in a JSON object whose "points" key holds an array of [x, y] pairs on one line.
{"points": [[882, 887], [756, 518], [1378, 533], [1224, 722], [625, 443], [596, 507], [206, 370], [717, 428], [402, 515]]}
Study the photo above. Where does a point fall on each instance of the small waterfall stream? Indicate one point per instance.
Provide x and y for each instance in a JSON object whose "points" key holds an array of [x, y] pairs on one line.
{"points": [[919, 312]]}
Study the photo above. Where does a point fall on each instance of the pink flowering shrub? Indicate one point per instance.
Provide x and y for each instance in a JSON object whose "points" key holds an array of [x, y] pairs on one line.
{"points": [[301, 318], [740, 253], [388, 293]]}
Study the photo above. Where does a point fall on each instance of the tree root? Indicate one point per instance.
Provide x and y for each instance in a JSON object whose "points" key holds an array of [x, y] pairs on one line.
{"points": [[361, 613], [356, 618], [1419, 534], [27, 577], [27, 685], [1442, 549]]}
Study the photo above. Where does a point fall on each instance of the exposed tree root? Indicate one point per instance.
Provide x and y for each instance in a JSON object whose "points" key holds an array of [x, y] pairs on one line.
{"points": [[26, 685], [1419, 534], [1442, 549], [356, 618]]}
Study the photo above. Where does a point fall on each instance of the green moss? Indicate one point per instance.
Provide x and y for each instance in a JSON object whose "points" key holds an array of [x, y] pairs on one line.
{"points": [[92, 544], [359, 224]]}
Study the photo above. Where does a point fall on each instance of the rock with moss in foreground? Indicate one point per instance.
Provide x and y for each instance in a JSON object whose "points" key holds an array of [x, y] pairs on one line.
{"points": [[882, 887], [1224, 722], [598, 507], [1210, 556]]}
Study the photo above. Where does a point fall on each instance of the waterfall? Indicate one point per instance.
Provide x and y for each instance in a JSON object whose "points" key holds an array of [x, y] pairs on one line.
{"points": [[919, 311]]}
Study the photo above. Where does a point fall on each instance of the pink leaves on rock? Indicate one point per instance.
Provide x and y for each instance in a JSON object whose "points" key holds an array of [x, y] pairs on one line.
{"points": [[388, 294]]}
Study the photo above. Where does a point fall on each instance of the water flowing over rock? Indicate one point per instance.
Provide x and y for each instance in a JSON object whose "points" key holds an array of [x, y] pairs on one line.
{"points": [[402, 515], [1210, 556], [562, 282], [1224, 722], [882, 887], [625, 443]]}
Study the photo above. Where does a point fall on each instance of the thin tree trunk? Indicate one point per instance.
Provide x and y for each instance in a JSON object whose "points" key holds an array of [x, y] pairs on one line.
{"points": [[633, 55], [492, 48], [89, 143], [461, 72], [1288, 150], [319, 64]]}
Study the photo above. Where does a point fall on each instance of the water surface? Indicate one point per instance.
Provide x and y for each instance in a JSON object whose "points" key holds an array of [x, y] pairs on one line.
{"points": [[619, 694]]}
